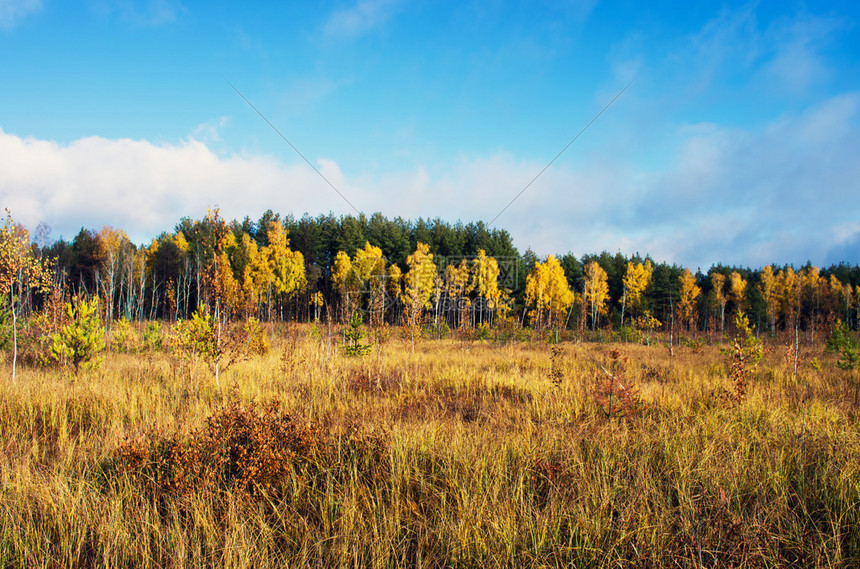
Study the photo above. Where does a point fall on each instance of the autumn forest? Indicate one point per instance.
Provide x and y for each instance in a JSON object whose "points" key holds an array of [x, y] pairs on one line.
{"points": [[453, 275]]}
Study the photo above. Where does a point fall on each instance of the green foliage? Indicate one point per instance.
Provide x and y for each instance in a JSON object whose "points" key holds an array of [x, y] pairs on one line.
{"points": [[695, 344], [82, 338], [195, 337], [152, 339], [628, 333], [123, 336], [352, 337], [316, 332], [843, 342], [849, 360], [482, 331], [256, 337], [5, 323], [509, 330], [200, 339]]}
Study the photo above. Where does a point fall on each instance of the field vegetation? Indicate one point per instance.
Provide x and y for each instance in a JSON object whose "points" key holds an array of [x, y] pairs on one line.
{"points": [[462, 452]]}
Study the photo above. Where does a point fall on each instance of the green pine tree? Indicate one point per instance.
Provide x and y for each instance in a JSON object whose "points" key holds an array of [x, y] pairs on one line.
{"points": [[82, 338]]}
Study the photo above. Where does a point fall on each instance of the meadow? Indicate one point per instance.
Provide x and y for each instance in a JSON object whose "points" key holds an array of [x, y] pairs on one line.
{"points": [[461, 453]]}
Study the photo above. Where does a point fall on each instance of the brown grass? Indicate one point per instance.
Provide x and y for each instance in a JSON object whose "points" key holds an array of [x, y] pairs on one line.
{"points": [[495, 456]]}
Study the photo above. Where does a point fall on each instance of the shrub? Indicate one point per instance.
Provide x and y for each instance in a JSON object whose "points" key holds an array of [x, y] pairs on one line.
{"points": [[244, 448], [746, 350], [82, 338], [352, 337], [200, 339], [256, 338], [844, 343], [123, 336], [152, 339]]}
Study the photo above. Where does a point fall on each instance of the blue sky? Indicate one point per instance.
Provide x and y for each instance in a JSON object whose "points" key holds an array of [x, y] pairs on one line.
{"points": [[737, 141]]}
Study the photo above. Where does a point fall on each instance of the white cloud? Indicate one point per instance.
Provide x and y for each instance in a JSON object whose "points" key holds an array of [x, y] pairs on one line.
{"points": [[146, 188], [357, 20], [12, 11], [210, 132], [784, 193]]}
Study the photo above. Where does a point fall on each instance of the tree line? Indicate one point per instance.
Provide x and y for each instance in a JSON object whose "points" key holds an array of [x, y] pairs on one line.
{"points": [[407, 272]]}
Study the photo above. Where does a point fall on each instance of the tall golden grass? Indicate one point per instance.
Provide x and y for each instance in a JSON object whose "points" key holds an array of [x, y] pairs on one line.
{"points": [[463, 454]]}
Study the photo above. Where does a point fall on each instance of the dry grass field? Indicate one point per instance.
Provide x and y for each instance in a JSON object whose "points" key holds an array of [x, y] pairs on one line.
{"points": [[461, 454]]}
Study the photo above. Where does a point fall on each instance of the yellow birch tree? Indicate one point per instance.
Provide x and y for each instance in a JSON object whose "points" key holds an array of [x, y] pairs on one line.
{"points": [[20, 272], [368, 267], [113, 244], [419, 284], [548, 292], [770, 293], [596, 291], [690, 292], [718, 280], [288, 267], [635, 281], [485, 283], [737, 291], [458, 285], [341, 275]]}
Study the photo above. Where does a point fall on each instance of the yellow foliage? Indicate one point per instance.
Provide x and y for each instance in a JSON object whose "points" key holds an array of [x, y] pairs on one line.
{"points": [[485, 278], [636, 280], [181, 242], [737, 290], [457, 280], [789, 285], [548, 292], [420, 280], [288, 267], [19, 269], [770, 292], [341, 269], [596, 292], [368, 263], [395, 275], [690, 291]]}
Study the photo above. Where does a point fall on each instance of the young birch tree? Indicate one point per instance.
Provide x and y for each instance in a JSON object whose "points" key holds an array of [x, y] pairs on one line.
{"points": [[485, 283], [635, 281], [690, 292], [770, 292], [719, 282], [114, 245], [596, 291], [20, 272], [738, 291], [368, 270], [419, 284], [548, 292], [288, 266], [458, 285], [342, 279]]}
